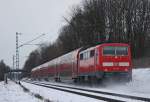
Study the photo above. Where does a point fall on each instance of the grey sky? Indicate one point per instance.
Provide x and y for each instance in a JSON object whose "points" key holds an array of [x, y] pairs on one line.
{"points": [[31, 18]]}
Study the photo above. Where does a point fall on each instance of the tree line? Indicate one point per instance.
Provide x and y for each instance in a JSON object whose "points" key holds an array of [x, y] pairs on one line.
{"points": [[99, 21], [3, 69]]}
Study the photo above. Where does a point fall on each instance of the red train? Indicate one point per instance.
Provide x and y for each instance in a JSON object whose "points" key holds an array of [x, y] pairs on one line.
{"points": [[94, 63]]}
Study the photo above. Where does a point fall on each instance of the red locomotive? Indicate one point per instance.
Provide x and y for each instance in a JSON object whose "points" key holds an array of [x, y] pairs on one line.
{"points": [[94, 63]]}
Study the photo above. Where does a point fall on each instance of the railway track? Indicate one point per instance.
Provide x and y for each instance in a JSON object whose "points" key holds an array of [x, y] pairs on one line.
{"points": [[100, 95], [102, 92]]}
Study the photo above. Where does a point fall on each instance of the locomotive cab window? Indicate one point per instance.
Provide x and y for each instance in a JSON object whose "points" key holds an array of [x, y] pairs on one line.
{"points": [[109, 50], [115, 51], [121, 51]]}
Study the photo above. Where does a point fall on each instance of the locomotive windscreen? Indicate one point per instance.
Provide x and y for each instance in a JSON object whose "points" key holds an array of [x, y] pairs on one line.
{"points": [[115, 50]]}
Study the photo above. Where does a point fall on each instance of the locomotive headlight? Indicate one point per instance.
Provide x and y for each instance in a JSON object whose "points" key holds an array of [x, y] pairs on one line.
{"points": [[107, 64], [123, 63]]}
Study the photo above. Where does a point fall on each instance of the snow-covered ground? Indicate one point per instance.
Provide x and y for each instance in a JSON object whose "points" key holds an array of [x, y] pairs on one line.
{"points": [[12, 92], [140, 86]]}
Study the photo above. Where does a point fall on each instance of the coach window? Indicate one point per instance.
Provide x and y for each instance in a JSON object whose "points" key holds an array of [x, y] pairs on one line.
{"points": [[92, 53], [81, 56], [86, 55]]}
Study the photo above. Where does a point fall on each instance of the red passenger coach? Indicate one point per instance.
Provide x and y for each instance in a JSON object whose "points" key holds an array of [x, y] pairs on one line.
{"points": [[106, 60], [61, 68], [98, 62]]}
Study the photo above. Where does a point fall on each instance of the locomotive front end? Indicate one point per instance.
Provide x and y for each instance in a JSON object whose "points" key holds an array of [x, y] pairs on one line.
{"points": [[115, 61]]}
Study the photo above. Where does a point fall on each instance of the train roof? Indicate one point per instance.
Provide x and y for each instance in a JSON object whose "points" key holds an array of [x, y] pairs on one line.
{"points": [[119, 44], [66, 56], [99, 45]]}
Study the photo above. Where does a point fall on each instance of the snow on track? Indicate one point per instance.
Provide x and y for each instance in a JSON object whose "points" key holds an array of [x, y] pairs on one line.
{"points": [[107, 97], [139, 86], [12, 92], [58, 96], [93, 91]]}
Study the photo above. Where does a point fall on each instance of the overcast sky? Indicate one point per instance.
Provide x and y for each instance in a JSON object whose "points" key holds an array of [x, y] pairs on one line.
{"points": [[31, 18]]}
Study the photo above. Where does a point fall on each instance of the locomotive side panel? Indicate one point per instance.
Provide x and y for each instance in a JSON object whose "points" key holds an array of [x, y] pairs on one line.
{"points": [[109, 60], [87, 62]]}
